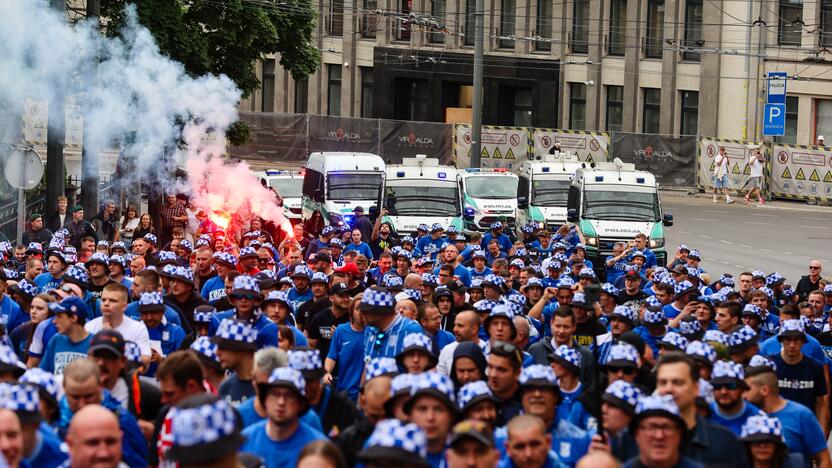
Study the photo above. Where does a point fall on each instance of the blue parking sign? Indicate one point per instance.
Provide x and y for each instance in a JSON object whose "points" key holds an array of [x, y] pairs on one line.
{"points": [[774, 120]]}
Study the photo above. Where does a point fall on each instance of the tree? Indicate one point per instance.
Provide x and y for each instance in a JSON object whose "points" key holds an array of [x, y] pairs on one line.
{"points": [[226, 36]]}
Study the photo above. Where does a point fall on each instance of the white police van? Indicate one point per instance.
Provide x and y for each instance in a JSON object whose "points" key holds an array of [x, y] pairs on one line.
{"points": [[611, 202], [488, 195], [289, 185], [420, 191], [335, 183], [543, 187]]}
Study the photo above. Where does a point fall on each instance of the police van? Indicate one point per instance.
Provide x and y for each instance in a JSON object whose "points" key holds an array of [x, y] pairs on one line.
{"points": [[421, 191], [335, 183], [488, 195], [611, 202], [543, 187], [289, 185]]}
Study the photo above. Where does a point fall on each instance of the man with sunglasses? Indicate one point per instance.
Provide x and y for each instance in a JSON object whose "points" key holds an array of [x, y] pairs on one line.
{"points": [[810, 282], [729, 409], [245, 296]]}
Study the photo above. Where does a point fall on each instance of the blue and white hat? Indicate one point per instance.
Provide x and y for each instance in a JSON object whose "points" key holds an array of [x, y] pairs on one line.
{"points": [[474, 392], [247, 252], [245, 285], [741, 339], [185, 243], [132, 352], [56, 244], [336, 242], [380, 366], [203, 242], [436, 385], [587, 272], [319, 277], [183, 274], [538, 375], [118, 245], [392, 282], [657, 405], [34, 247], [166, 257], [393, 441], [484, 305], [45, 381], [289, 378], [204, 429], [436, 227], [567, 357], [151, 238], [236, 335], [416, 342], [622, 354], [23, 399], [774, 279], [690, 328], [118, 260], [407, 240], [533, 282], [493, 281], [308, 362], [622, 395], [552, 264], [281, 297], [98, 257], [715, 336], [768, 292], [513, 298], [206, 350], [429, 279], [684, 287], [204, 313], [701, 351], [151, 301], [695, 254], [759, 364], [673, 341], [579, 300], [791, 328], [501, 310], [225, 259], [401, 385], [377, 300], [8, 274], [167, 270], [496, 225], [655, 317], [653, 301], [327, 230], [77, 275], [413, 294], [727, 280], [26, 288], [422, 227], [566, 282], [827, 290], [762, 428], [752, 310], [478, 253], [609, 289], [624, 313], [727, 372]]}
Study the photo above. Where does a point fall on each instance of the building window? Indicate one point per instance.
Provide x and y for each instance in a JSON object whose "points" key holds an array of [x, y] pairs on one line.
{"points": [[655, 28], [267, 84], [334, 90], [826, 23], [790, 135], [544, 24], [366, 92], [790, 24], [615, 108], [369, 19], [301, 96], [580, 27], [437, 10], [335, 18], [402, 26], [522, 107], [618, 27], [577, 106], [693, 28], [412, 100], [507, 18], [690, 113], [470, 10], [652, 110]]}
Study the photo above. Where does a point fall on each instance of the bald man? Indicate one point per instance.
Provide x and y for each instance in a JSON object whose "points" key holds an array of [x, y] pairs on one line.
{"points": [[466, 328], [371, 401], [94, 438], [11, 438], [598, 459]]}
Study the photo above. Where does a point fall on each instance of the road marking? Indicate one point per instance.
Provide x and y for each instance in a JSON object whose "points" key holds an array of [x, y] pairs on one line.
{"points": [[739, 266], [806, 257], [700, 219], [765, 215], [709, 259], [726, 242], [815, 227], [758, 224], [786, 253], [817, 219], [724, 263], [767, 250], [706, 237], [712, 211], [746, 246]]}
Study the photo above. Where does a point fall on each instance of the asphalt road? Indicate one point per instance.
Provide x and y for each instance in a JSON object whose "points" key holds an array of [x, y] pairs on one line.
{"points": [[782, 236]]}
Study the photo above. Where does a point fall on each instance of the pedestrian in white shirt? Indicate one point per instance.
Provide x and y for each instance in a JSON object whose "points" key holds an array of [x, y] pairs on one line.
{"points": [[721, 164], [113, 303], [755, 182]]}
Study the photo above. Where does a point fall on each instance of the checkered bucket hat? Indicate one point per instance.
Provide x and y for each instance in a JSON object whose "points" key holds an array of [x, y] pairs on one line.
{"points": [[392, 440], [236, 335], [204, 433], [623, 395], [474, 392]]}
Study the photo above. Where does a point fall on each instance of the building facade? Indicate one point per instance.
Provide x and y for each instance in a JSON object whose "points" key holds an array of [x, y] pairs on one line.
{"points": [[654, 66]]}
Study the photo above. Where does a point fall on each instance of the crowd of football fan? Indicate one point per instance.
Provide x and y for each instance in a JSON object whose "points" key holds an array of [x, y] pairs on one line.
{"points": [[203, 346]]}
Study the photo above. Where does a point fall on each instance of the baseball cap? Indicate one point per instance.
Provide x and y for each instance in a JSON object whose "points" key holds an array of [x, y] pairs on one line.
{"points": [[475, 430], [108, 340]]}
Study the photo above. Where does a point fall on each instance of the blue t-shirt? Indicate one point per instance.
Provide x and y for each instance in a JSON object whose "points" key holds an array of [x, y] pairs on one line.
{"points": [[616, 270], [43, 333], [571, 409], [361, 248], [297, 298], [811, 348], [47, 452], [60, 352], [11, 315], [502, 239], [214, 289], [736, 421], [389, 342], [670, 311], [171, 316], [569, 442], [460, 272], [250, 416], [236, 391], [46, 282], [278, 454], [426, 245], [266, 330], [801, 430], [650, 340], [479, 274], [347, 349], [171, 335]]}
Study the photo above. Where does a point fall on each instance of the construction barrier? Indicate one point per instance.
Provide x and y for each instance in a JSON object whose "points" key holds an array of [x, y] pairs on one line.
{"points": [[504, 147], [672, 159], [738, 152], [801, 172], [589, 146]]}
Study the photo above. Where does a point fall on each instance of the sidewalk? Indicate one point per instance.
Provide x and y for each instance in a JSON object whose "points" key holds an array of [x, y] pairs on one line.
{"points": [[776, 204]]}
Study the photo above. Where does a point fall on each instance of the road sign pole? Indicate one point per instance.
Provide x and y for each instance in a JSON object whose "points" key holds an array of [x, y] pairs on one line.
{"points": [[21, 214]]}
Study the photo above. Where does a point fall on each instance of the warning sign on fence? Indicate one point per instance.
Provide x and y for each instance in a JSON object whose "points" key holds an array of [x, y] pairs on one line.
{"points": [[501, 146], [738, 153], [589, 146], [801, 172]]}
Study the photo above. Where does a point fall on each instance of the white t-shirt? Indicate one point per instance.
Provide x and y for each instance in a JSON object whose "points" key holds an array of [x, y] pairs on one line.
{"points": [[130, 329], [720, 165], [756, 166]]}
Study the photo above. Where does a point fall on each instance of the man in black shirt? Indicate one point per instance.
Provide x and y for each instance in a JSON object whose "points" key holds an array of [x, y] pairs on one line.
{"points": [[631, 291], [99, 267], [322, 326], [336, 411], [588, 327], [810, 282], [319, 284]]}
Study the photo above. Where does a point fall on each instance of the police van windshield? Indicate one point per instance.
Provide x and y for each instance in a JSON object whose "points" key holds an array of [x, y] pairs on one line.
{"points": [[422, 200], [494, 187], [549, 192], [352, 186], [288, 188], [615, 204]]}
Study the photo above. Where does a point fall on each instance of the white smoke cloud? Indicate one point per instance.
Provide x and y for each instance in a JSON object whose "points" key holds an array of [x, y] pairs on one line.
{"points": [[132, 97]]}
